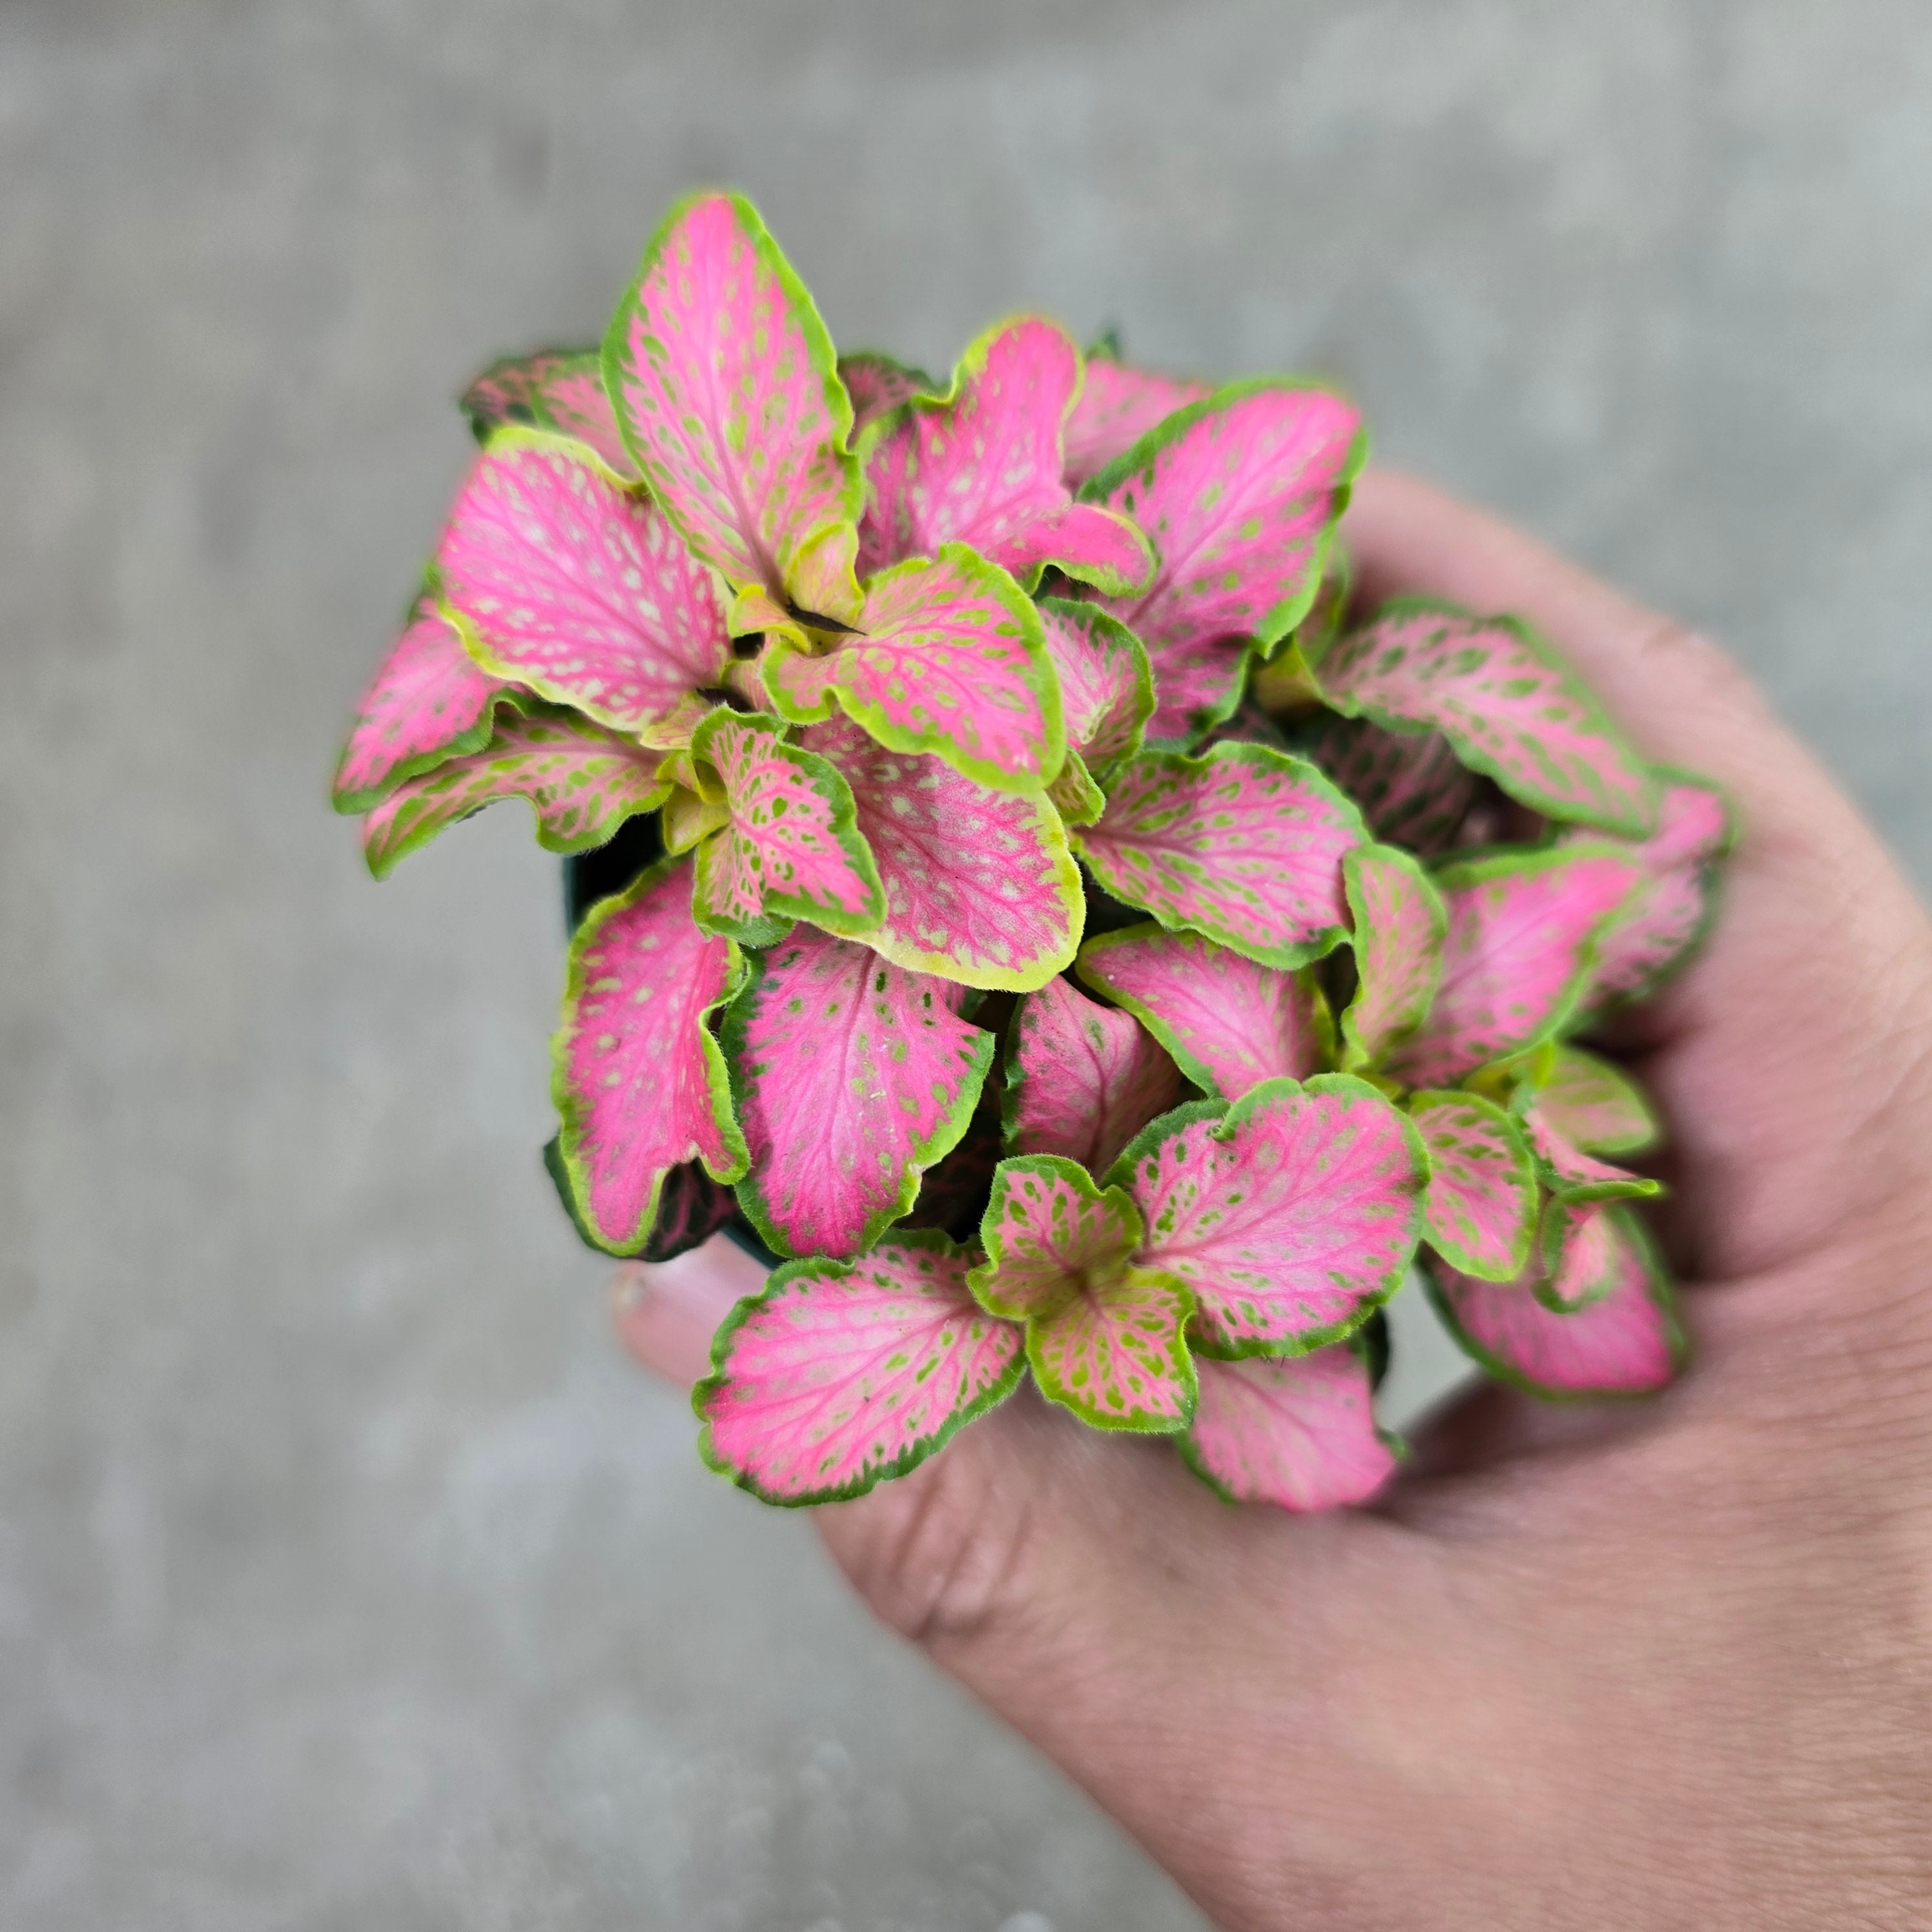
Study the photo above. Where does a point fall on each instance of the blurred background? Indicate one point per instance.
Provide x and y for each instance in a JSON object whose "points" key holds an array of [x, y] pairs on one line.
{"points": [[348, 1576]]}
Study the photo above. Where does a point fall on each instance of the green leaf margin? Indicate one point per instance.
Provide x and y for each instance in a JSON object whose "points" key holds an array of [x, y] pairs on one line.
{"points": [[1287, 958], [1473, 756], [782, 909], [787, 1272], [925, 1154], [1307, 979], [1091, 618], [1355, 1054], [1281, 618], [426, 832], [822, 357], [1222, 1120], [1040, 679], [1657, 1284], [1524, 1168], [1362, 1346], [724, 1113]]}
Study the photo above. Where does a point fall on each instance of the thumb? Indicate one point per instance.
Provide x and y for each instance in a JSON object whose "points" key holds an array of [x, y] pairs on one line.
{"points": [[1186, 1661]]}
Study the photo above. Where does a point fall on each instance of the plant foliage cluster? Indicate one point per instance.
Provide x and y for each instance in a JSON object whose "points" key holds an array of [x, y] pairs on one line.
{"points": [[1071, 937]]}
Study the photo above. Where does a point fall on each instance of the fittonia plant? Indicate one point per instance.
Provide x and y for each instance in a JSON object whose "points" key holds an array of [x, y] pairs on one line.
{"points": [[923, 708]]}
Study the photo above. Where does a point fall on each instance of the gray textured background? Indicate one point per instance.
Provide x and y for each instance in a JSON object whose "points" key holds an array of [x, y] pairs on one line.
{"points": [[347, 1577]]}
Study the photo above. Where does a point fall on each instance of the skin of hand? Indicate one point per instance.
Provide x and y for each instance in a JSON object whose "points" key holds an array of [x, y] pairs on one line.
{"points": [[1657, 1664]]}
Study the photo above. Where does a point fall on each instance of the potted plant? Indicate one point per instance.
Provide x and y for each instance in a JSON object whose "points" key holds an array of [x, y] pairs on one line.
{"points": [[1012, 888]]}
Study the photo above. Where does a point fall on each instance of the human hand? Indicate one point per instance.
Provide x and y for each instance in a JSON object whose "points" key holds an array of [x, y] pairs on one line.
{"points": [[1653, 1665]]}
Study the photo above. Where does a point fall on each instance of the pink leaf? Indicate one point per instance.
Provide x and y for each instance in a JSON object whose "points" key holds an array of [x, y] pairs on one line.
{"points": [[1104, 1337], [1667, 914], [1082, 1079], [1507, 702], [980, 886], [841, 1374], [1413, 789], [1244, 845], [1116, 407], [1594, 1105], [691, 1207], [1240, 494], [1571, 1174], [582, 782], [1520, 929], [1197, 686], [428, 703], [1625, 1342], [1480, 1213], [852, 1077], [1291, 1215], [1399, 922], [877, 385], [982, 467], [559, 389], [789, 846], [1693, 822], [1106, 690], [638, 1079], [1582, 1254], [1228, 1022], [1664, 918], [948, 659], [728, 395], [560, 579], [1299, 1433]]}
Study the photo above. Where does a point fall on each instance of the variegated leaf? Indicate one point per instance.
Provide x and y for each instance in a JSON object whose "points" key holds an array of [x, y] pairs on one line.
{"points": [[789, 846], [979, 884], [1299, 1433], [638, 1079], [1106, 690], [1480, 1213], [1244, 846], [581, 781], [1571, 1175], [1665, 916], [1399, 925], [558, 389], [1627, 1341], [1229, 1023], [1504, 700], [1521, 926], [840, 1375], [852, 1077], [877, 385], [1291, 1216], [1104, 1337], [1082, 1079], [982, 466], [728, 394], [1116, 405], [428, 702], [949, 659], [1240, 493], [1594, 1105], [560, 579]]}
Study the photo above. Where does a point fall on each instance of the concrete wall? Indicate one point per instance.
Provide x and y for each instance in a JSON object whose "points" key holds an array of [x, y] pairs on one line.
{"points": [[347, 1578]]}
